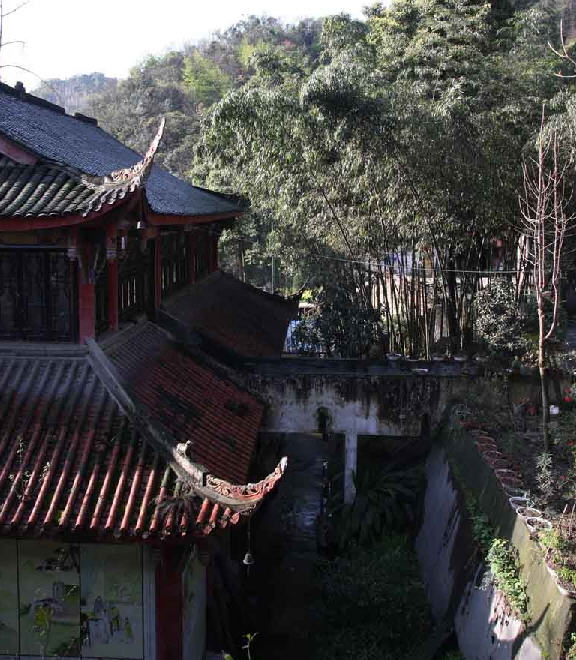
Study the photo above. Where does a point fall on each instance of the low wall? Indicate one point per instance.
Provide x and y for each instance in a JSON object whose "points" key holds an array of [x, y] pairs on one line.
{"points": [[453, 571], [366, 398], [371, 405]]}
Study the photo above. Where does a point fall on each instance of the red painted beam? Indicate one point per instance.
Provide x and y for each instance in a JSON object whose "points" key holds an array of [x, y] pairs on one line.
{"points": [[31, 224], [16, 153], [94, 219]]}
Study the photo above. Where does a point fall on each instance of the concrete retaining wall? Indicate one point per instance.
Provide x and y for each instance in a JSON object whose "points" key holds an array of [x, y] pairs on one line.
{"points": [[454, 572]]}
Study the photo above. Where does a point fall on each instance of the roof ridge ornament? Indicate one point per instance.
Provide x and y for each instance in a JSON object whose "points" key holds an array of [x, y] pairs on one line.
{"points": [[142, 168], [114, 186], [132, 177]]}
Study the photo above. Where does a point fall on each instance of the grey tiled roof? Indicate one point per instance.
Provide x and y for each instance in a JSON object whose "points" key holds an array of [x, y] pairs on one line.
{"points": [[55, 136], [52, 190]]}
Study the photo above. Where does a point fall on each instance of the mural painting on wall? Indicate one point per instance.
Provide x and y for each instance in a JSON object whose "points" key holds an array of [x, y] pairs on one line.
{"points": [[111, 609], [8, 598], [49, 586]]}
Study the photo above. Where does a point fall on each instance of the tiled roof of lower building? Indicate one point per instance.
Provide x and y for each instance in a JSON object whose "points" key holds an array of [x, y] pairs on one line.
{"points": [[217, 419], [73, 462], [240, 317]]}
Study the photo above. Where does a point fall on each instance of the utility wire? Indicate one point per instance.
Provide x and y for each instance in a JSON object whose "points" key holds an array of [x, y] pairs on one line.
{"points": [[369, 262]]}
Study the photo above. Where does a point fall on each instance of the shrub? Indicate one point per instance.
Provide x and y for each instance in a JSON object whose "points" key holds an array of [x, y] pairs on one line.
{"points": [[366, 600], [385, 499], [500, 324], [504, 568]]}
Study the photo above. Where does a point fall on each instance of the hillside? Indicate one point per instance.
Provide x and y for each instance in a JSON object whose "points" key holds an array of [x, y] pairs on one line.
{"points": [[74, 93]]}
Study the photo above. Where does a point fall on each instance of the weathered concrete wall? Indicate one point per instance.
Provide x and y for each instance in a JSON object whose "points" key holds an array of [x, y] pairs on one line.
{"points": [[364, 399], [452, 575], [386, 402], [453, 572], [354, 405], [366, 405]]}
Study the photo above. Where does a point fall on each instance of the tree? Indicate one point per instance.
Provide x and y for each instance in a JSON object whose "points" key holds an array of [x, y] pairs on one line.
{"points": [[546, 205], [205, 79], [396, 157], [4, 13], [132, 110]]}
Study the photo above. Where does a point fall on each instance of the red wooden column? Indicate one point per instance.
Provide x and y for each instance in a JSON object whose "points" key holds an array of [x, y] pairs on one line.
{"points": [[112, 258], [169, 605], [86, 310], [84, 252], [192, 247], [158, 271]]}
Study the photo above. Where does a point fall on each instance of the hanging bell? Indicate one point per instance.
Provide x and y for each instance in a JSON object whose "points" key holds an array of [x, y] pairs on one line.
{"points": [[248, 559]]}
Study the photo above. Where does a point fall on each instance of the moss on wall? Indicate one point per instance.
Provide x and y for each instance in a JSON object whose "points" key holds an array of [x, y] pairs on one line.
{"points": [[551, 608]]}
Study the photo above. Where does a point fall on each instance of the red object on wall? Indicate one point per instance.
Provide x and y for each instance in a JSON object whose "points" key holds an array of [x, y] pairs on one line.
{"points": [[169, 605]]}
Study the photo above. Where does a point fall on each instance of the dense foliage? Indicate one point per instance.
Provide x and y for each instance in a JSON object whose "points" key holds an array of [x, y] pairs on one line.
{"points": [[499, 320], [380, 159], [365, 601], [182, 84], [385, 500], [396, 159]]}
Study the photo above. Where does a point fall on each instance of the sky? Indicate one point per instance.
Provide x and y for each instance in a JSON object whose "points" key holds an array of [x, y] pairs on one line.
{"points": [[67, 37]]}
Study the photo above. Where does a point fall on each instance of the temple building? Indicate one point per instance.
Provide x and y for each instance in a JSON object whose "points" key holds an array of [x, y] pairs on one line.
{"points": [[126, 435]]}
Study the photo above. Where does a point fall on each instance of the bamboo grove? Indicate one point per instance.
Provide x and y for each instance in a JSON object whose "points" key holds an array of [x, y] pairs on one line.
{"points": [[387, 172]]}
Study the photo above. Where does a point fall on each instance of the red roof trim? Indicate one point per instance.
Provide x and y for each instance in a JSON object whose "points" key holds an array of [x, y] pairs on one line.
{"points": [[16, 153], [53, 222], [155, 220]]}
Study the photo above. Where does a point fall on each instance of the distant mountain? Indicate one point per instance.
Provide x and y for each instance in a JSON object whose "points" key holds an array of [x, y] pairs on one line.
{"points": [[74, 93]]}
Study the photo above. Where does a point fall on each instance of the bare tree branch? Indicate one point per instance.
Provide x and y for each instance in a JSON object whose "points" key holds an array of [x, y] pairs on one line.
{"points": [[15, 9]]}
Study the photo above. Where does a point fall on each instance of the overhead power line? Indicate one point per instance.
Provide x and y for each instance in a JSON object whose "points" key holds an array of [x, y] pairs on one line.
{"points": [[373, 262]]}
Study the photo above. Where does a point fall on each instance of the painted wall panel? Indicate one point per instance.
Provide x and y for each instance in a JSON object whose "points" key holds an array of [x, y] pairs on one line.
{"points": [[112, 601], [49, 586], [68, 601]]}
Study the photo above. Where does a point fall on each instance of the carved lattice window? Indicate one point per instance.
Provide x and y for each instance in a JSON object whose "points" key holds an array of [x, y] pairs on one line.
{"points": [[37, 295]]}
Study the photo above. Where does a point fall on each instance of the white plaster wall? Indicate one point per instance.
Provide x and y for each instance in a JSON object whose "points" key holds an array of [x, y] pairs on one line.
{"points": [[499, 635], [484, 626], [293, 409], [437, 535], [149, 557], [194, 609]]}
